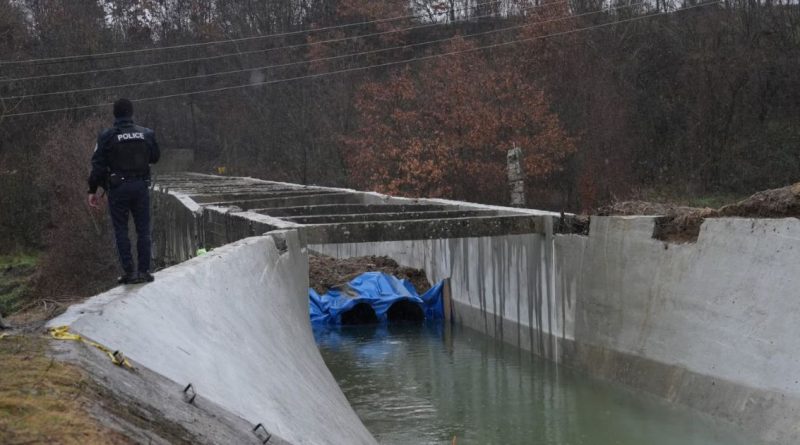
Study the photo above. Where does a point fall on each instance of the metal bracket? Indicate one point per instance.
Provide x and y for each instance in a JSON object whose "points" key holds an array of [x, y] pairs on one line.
{"points": [[189, 393], [261, 432], [118, 356]]}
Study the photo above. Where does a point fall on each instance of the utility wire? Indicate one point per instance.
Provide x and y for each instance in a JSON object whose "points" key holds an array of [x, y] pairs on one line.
{"points": [[323, 59], [257, 51], [363, 68], [78, 57]]}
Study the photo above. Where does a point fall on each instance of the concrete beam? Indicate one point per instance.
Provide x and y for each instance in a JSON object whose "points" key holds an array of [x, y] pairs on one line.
{"points": [[342, 209], [228, 196], [193, 187], [290, 201], [389, 216], [421, 229]]}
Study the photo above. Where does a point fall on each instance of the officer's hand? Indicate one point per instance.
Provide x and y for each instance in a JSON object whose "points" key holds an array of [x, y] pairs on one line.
{"points": [[94, 201]]}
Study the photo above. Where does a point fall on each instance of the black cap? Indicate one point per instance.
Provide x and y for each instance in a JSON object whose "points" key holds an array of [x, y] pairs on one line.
{"points": [[123, 108]]}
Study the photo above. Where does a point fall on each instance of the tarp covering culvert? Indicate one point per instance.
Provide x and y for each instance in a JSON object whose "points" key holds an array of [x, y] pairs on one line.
{"points": [[388, 298]]}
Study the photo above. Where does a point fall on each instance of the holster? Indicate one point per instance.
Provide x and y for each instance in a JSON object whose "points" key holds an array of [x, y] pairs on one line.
{"points": [[115, 179]]}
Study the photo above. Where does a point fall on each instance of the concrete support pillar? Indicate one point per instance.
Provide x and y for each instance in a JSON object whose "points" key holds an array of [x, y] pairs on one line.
{"points": [[516, 177]]}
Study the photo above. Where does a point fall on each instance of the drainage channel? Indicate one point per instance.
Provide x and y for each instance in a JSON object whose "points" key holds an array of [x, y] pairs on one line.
{"points": [[432, 384]]}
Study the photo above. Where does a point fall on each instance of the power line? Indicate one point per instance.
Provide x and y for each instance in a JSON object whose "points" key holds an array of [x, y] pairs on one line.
{"points": [[258, 51], [78, 57], [324, 59], [363, 68]]}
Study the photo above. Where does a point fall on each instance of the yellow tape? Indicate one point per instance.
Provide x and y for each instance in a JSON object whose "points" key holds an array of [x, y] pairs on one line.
{"points": [[62, 333]]}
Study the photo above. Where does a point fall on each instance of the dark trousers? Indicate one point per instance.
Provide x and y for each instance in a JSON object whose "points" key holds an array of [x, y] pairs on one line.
{"points": [[131, 197]]}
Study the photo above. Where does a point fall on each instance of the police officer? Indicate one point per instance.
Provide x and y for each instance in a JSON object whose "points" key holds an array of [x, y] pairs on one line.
{"points": [[121, 165]]}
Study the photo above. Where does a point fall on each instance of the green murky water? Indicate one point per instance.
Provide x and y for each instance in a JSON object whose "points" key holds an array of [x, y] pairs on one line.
{"points": [[428, 384]]}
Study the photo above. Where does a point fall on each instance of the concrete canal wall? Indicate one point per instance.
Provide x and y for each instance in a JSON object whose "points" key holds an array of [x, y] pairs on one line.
{"points": [[710, 324], [234, 323]]}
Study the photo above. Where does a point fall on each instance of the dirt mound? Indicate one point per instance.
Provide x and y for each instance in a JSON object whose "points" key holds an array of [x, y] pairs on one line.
{"points": [[682, 224], [676, 223], [572, 224], [776, 203], [628, 208], [327, 272]]}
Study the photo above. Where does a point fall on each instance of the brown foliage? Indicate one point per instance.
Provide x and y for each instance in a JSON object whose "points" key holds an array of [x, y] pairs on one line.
{"points": [[80, 258], [443, 129]]}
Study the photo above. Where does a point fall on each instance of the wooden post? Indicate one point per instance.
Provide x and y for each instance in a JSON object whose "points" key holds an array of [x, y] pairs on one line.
{"points": [[447, 300], [516, 177], [449, 315]]}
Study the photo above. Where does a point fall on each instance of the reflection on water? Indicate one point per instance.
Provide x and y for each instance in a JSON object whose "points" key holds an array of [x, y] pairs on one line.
{"points": [[427, 384]]}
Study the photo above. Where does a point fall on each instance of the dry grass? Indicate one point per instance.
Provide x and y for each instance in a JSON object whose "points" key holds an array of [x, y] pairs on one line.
{"points": [[44, 401]]}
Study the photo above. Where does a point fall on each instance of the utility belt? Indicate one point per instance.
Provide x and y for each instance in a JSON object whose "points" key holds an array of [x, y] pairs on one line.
{"points": [[116, 179]]}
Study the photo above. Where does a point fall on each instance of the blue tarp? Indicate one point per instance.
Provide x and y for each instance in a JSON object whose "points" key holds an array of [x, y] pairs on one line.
{"points": [[377, 289]]}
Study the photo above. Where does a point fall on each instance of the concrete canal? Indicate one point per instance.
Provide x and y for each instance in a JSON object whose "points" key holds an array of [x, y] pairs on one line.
{"points": [[430, 384], [625, 338]]}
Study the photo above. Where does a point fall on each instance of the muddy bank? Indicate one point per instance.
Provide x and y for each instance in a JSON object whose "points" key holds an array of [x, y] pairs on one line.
{"points": [[326, 272]]}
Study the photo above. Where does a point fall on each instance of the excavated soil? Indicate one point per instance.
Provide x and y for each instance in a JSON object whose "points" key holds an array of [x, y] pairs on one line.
{"points": [[327, 272], [629, 208], [572, 224], [776, 203], [682, 224]]}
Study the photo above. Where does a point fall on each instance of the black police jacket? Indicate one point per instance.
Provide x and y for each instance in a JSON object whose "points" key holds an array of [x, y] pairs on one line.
{"points": [[126, 150]]}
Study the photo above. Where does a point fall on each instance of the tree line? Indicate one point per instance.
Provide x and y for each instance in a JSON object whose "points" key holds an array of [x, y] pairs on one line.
{"points": [[606, 100]]}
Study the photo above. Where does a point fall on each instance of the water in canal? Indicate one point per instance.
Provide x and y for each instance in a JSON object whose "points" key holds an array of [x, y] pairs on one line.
{"points": [[428, 385]]}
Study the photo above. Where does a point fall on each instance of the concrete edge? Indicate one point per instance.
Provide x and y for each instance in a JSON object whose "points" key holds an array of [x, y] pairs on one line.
{"points": [[404, 230], [184, 198]]}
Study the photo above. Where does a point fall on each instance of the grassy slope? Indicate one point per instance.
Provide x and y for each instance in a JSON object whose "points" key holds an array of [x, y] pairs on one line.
{"points": [[44, 401]]}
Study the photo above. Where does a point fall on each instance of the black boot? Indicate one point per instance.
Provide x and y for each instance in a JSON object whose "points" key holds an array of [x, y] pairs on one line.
{"points": [[127, 278], [145, 277]]}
